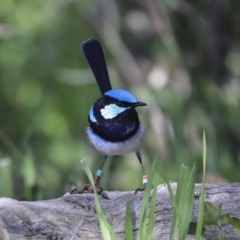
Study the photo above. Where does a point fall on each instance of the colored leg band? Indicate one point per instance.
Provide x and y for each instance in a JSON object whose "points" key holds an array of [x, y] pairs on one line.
{"points": [[98, 175], [145, 179]]}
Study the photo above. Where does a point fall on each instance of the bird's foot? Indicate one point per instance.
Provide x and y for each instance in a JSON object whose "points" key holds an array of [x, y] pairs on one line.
{"points": [[85, 188], [144, 182], [88, 188], [139, 190]]}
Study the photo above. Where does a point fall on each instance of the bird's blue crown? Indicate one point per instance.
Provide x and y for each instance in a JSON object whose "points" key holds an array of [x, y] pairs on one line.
{"points": [[121, 95]]}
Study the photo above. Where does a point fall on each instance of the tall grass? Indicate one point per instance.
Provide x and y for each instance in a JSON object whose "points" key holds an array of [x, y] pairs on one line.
{"points": [[182, 203], [184, 198]]}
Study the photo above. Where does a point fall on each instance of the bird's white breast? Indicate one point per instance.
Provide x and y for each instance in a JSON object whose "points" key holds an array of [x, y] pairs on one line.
{"points": [[116, 148]]}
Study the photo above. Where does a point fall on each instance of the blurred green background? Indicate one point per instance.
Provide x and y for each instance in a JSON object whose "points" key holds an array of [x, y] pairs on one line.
{"points": [[181, 57]]}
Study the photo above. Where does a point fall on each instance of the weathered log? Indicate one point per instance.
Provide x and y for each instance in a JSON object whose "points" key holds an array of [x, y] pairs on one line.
{"points": [[74, 216]]}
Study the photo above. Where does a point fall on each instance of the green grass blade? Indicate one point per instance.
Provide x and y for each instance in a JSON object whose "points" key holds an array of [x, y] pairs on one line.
{"points": [[175, 201], [175, 213], [201, 203], [144, 206], [151, 220], [186, 201], [128, 223], [143, 210]]}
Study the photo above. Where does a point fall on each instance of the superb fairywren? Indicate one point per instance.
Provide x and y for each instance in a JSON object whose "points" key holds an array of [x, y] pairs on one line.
{"points": [[114, 127]]}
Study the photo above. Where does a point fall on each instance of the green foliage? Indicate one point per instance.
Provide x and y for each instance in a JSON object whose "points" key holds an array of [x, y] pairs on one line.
{"points": [[212, 214], [182, 203]]}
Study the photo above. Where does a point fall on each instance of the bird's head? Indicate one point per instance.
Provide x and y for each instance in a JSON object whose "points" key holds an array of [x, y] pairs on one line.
{"points": [[114, 103]]}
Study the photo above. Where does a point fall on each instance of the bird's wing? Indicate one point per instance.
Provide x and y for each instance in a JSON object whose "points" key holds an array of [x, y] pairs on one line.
{"points": [[93, 52]]}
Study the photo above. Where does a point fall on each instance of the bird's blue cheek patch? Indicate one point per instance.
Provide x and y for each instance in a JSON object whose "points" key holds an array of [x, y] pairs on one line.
{"points": [[91, 115], [110, 111]]}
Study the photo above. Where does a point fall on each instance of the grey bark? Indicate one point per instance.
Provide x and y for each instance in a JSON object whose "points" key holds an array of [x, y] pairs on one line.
{"points": [[73, 217]]}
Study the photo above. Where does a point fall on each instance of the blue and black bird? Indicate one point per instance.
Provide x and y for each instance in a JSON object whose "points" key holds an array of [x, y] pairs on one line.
{"points": [[114, 126]]}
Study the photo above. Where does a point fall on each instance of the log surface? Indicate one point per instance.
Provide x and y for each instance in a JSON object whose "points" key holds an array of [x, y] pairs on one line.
{"points": [[74, 216]]}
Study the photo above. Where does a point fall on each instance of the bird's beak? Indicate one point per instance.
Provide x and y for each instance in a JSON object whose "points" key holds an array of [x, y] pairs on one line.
{"points": [[139, 104]]}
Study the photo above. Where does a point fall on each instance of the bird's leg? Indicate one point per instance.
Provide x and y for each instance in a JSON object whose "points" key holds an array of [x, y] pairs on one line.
{"points": [[97, 179], [99, 172], [88, 188], [144, 176]]}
